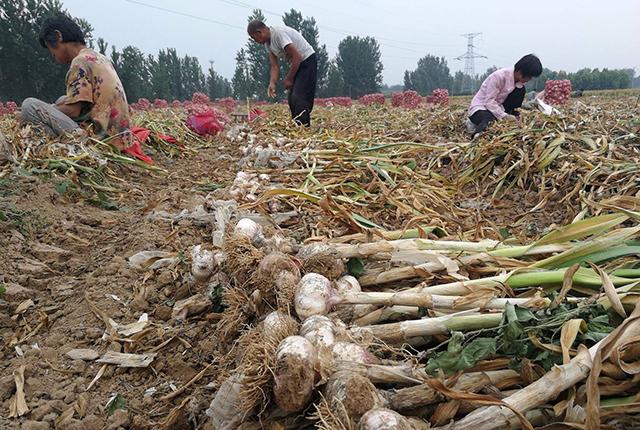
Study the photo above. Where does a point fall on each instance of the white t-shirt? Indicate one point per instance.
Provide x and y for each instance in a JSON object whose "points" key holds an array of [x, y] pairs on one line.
{"points": [[283, 36]]}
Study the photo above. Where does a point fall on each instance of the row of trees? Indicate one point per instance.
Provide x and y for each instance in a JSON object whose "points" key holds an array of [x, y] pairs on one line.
{"points": [[589, 79], [166, 76], [355, 71], [433, 72], [27, 69]]}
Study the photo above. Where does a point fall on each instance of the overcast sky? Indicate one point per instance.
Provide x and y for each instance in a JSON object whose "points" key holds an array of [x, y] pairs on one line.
{"points": [[567, 35]]}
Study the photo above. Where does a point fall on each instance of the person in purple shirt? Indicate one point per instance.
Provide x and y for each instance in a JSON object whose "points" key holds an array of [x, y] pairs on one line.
{"points": [[502, 93]]}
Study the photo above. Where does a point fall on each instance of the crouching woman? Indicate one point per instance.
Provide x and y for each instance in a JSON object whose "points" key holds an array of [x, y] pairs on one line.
{"points": [[502, 94]]}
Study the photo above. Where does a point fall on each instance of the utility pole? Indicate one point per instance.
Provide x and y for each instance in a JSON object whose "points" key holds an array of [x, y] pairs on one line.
{"points": [[469, 64]]}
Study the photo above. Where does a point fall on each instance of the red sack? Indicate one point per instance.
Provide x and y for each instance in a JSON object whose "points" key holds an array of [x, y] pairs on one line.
{"points": [[135, 151], [169, 139], [408, 99], [256, 113], [557, 92], [372, 99], [140, 136], [204, 123], [440, 96]]}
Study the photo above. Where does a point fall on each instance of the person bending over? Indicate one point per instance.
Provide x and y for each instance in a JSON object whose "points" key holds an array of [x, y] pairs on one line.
{"points": [[287, 43], [502, 93]]}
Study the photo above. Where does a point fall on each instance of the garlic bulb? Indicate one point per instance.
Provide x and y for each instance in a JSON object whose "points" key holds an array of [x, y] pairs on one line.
{"points": [[294, 379], [313, 296], [319, 330], [347, 351], [251, 229], [383, 419], [353, 392], [203, 262], [276, 321], [348, 284]]}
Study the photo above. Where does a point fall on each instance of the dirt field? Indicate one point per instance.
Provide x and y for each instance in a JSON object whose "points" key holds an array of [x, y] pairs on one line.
{"points": [[89, 261], [68, 255]]}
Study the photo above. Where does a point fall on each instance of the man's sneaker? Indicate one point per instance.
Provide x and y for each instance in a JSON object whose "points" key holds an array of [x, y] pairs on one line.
{"points": [[470, 126]]}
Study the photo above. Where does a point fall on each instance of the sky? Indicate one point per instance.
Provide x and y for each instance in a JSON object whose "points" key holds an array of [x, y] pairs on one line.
{"points": [[565, 34]]}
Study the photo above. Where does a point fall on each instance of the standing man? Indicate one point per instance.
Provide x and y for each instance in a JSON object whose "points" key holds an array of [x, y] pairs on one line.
{"points": [[95, 96], [287, 43]]}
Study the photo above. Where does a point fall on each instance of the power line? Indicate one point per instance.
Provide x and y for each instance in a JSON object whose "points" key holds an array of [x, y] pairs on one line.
{"points": [[188, 15], [249, 6], [368, 22], [246, 5]]}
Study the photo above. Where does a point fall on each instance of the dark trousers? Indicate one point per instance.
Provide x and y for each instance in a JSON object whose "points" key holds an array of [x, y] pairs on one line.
{"points": [[303, 92], [483, 118]]}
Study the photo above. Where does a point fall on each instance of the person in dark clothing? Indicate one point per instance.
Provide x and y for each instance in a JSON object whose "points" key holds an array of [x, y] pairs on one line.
{"points": [[301, 80], [502, 94]]}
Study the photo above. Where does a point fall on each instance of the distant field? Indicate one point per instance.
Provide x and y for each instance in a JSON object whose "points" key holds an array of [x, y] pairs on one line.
{"points": [[614, 93]]}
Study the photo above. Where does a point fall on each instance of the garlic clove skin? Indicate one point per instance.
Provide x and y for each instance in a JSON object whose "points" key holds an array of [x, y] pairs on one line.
{"points": [[223, 409], [313, 296], [251, 229], [347, 351], [319, 330], [294, 373], [203, 263], [348, 284], [383, 419]]}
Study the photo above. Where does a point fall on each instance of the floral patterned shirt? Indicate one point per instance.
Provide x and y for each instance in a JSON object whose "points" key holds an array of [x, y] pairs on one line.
{"points": [[92, 79]]}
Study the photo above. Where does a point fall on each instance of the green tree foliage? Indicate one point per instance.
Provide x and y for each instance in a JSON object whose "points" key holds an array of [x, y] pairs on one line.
{"points": [[431, 73], [258, 64], [192, 77], [217, 86], [102, 46], [457, 85], [172, 64], [166, 77], [133, 68], [241, 78], [160, 81], [173, 77], [26, 68], [587, 79], [334, 85], [600, 79], [359, 64]]}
